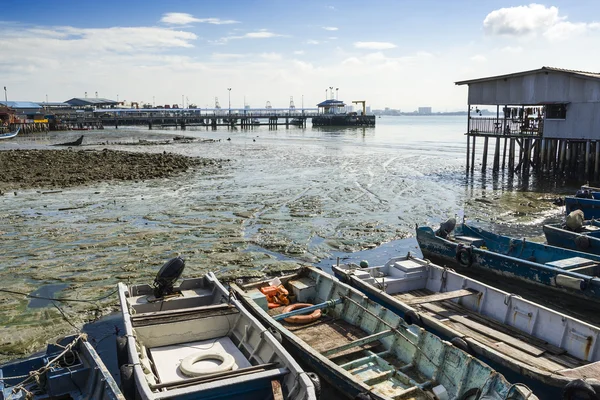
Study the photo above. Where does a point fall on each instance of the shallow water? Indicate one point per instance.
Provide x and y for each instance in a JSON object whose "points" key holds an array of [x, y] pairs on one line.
{"points": [[285, 196]]}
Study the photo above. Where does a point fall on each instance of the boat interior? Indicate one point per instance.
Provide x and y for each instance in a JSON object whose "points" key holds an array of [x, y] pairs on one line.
{"points": [[372, 345], [198, 335], [501, 321]]}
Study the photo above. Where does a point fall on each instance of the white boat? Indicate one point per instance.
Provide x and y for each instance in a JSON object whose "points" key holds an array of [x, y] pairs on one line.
{"points": [[10, 135], [365, 350], [548, 349], [196, 341]]}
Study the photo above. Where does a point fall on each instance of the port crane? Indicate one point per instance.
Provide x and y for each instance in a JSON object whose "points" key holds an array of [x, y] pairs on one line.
{"points": [[364, 105]]}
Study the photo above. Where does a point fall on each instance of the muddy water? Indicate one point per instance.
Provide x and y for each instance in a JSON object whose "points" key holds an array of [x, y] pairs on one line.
{"points": [[285, 197]]}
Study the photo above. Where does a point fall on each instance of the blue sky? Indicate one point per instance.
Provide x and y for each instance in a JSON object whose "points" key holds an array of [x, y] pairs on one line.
{"points": [[399, 54]]}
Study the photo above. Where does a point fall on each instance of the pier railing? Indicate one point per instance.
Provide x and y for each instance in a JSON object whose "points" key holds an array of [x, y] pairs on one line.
{"points": [[501, 126]]}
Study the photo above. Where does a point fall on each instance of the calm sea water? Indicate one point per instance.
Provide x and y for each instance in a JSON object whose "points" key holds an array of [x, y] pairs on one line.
{"points": [[286, 196]]}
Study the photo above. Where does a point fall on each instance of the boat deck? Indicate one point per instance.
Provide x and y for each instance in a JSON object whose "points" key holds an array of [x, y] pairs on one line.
{"points": [[367, 359], [505, 339]]}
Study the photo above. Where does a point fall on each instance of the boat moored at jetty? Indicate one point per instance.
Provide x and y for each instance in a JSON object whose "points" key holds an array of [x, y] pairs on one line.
{"points": [[549, 350], [554, 268], [196, 341], [364, 349], [68, 369], [585, 238], [10, 135], [589, 206]]}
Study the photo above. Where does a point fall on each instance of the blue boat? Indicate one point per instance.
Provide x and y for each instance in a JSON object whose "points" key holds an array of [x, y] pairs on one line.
{"points": [[515, 336], [367, 351], [69, 369], [10, 135], [196, 341], [586, 239], [590, 207], [555, 268]]}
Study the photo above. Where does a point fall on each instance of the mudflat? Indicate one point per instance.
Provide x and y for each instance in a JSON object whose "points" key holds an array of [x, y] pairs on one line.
{"points": [[26, 169]]}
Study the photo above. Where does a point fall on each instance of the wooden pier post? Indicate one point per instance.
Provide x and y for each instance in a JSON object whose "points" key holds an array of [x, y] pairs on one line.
{"points": [[511, 156], [468, 145], [504, 154], [562, 156], [587, 158], [527, 155], [596, 160], [473, 154], [485, 151], [497, 155]]}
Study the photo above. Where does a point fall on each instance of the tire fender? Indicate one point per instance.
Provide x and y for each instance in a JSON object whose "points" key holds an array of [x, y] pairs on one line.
{"points": [[413, 318], [579, 389]]}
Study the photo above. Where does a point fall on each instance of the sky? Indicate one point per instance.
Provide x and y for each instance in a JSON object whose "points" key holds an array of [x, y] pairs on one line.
{"points": [[391, 53]]}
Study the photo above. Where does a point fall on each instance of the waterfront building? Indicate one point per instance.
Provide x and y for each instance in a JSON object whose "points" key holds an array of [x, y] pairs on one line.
{"points": [[79, 102], [424, 110]]}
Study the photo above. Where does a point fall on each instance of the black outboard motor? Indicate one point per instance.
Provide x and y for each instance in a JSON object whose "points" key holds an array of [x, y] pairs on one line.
{"points": [[167, 276], [445, 228], [584, 194]]}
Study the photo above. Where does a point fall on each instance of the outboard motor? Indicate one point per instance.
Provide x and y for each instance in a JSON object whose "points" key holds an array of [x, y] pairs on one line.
{"points": [[445, 228], [167, 276], [584, 194]]}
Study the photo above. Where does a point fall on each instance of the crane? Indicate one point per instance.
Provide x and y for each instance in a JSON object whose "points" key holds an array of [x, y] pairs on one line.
{"points": [[364, 104]]}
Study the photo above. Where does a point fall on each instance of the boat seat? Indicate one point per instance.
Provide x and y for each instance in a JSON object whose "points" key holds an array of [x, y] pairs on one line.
{"points": [[568, 264]]}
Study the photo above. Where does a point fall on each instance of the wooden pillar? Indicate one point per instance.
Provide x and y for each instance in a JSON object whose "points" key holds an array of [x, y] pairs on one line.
{"points": [[561, 155], [468, 146], [587, 158], [541, 160], [485, 151], [473, 154], [504, 154], [497, 155], [597, 160], [511, 156], [520, 163], [526, 154]]}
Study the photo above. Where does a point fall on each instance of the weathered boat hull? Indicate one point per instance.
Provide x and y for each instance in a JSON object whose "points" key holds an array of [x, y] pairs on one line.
{"points": [[10, 135], [78, 374], [201, 317], [590, 207], [409, 349], [587, 241], [515, 258], [489, 310]]}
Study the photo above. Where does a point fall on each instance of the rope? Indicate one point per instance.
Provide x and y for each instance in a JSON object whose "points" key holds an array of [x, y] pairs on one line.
{"points": [[32, 296]]}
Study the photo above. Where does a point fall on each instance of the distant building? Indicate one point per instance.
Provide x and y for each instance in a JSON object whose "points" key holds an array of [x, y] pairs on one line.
{"points": [[23, 107], [368, 109], [424, 110], [80, 102], [349, 109]]}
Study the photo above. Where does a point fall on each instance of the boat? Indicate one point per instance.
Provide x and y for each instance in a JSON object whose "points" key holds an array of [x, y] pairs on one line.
{"points": [[68, 369], [363, 349], [556, 269], [589, 206], [77, 142], [10, 135], [196, 341], [585, 238], [548, 349]]}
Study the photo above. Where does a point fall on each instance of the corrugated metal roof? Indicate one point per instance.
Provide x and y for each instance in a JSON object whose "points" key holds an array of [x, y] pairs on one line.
{"points": [[79, 101], [582, 74], [331, 103], [20, 104]]}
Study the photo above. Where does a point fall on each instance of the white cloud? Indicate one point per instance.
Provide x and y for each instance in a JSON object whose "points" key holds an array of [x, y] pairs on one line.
{"points": [[533, 19], [299, 52], [271, 56], [374, 45], [512, 49], [261, 34], [310, 41], [185, 19], [479, 58], [226, 56], [330, 28]]}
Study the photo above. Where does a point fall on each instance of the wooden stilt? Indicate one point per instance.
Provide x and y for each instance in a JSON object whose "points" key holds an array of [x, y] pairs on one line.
{"points": [[468, 145], [473, 154], [497, 155], [485, 151], [597, 161], [504, 154], [587, 159], [511, 156], [527, 155]]}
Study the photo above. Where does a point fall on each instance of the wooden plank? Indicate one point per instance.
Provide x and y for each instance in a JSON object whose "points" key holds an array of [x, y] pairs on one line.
{"points": [[493, 333], [277, 392], [437, 309], [442, 296], [587, 371], [358, 342], [539, 362]]}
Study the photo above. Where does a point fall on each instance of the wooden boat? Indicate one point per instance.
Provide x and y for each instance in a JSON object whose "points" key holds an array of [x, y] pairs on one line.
{"points": [[196, 341], [586, 239], [73, 143], [548, 349], [563, 270], [589, 206], [69, 369], [10, 135], [364, 349]]}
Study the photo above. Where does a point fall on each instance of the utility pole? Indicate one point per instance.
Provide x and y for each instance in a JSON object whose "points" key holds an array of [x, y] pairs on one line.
{"points": [[229, 89], [5, 97]]}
